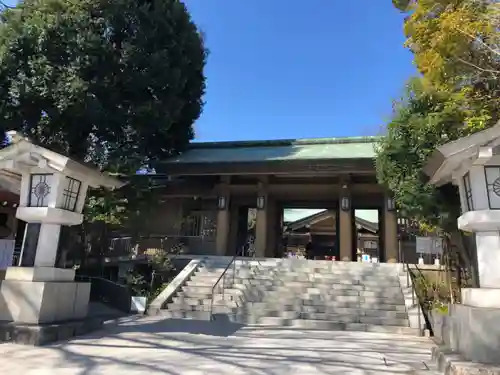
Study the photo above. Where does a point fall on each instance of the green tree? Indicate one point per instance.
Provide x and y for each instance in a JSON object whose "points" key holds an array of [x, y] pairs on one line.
{"points": [[455, 47], [118, 83], [115, 82], [424, 119]]}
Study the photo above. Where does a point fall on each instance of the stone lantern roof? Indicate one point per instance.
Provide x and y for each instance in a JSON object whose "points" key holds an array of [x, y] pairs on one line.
{"points": [[23, 154], [450, 158]]}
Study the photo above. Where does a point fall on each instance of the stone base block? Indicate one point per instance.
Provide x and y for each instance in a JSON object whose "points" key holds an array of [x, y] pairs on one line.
{"points": [[451, 363], [39, 274], [35, 302], [481, 297], [474, 332], [32, 334]]}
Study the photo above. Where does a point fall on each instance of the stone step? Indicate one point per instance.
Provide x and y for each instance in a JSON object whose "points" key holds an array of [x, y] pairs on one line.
{"points": [[208, 290], [197, 283], [227, 300], [216, 309], [393, 314], [342, 279], [338, 273], [337, 284], [328, 306], [342, 318], [324, 299], [335, 270], [326, 293], [195, 293], [312, 324], [256, 279], [216, 275], [309, 324], [332, 267], [194, 315], [277, 283]]}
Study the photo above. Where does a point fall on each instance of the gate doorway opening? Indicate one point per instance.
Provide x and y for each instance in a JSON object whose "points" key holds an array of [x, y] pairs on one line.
{"points": [[245, 231], [367, 236], [311, 233]]}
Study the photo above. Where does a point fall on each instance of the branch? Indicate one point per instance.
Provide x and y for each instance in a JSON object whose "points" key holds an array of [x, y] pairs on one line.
{"points": [[5, 6], [476, 39], [478, 67]]}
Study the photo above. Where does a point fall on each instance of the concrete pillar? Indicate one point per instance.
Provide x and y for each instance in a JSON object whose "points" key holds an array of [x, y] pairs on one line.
{"points": [[345, 235], [48, 243], [390, 235], [223, 225], [488, 259]]}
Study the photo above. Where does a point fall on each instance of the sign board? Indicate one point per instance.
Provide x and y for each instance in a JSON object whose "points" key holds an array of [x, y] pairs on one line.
{"points": [[429, 245], [6, 253]]}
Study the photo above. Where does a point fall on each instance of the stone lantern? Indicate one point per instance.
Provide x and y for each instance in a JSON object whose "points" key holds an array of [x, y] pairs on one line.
{"points": [[473, 164], [52, 194]]}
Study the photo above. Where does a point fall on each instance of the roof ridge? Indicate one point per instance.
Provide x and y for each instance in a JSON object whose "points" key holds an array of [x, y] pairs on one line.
{"points": [[284, 142]]}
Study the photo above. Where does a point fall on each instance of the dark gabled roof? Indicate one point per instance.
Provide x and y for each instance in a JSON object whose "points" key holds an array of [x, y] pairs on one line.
{"points": [[278, 150], [368, 225]]}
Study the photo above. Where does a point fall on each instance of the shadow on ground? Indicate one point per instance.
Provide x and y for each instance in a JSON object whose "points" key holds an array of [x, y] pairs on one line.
{"points": [[185, 347]]}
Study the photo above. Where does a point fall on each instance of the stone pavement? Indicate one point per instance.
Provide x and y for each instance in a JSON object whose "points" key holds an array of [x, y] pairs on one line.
{"points": [[152, 345]]}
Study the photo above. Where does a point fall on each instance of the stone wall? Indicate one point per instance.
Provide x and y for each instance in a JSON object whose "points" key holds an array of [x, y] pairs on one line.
{"points": [[471, 331]]}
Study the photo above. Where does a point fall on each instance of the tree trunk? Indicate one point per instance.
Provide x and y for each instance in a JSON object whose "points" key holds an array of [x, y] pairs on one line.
{"points": [[467, 256]]}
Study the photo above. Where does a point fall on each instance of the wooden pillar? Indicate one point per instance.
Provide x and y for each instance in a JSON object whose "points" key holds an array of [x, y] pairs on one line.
{"points": [[273, 228], [223, 216], [390, 233], [345, 226], [262, 221], [222, 238], [233, 244]]}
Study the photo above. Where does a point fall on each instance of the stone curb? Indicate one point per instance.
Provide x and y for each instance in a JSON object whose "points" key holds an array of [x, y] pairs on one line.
{"points": [[175, 285], [451, 363]]}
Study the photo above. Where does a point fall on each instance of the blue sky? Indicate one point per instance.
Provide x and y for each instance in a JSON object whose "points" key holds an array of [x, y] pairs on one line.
{"points": [[299, 69]]}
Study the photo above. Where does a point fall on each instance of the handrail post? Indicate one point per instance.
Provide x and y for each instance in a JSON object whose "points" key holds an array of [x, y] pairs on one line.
{"points": [[414, 298], [223, 286], [419, 319], [407, 275], [211, 306], [223, 277]]}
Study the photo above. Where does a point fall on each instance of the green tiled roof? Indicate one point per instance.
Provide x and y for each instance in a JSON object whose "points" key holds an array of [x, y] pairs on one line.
{"points": [[279, 150]]}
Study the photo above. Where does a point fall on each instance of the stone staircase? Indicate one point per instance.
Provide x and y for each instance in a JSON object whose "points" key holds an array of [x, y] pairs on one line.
{"points": [[297, 293], [194, 299]]}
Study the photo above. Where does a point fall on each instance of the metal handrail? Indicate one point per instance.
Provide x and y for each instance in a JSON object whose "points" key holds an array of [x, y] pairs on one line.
{"points": [[223, 278], [414, 295], [100, 278], [108, 291]]}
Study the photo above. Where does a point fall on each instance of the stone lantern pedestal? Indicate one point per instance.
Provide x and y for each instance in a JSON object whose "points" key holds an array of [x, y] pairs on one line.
{"points": [[473, 164], [52, 195]]}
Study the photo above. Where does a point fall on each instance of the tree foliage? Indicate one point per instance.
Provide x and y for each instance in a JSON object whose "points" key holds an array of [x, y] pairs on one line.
{"points": [[118, 83], [115, 82], [456, 46], [424, 119]]}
